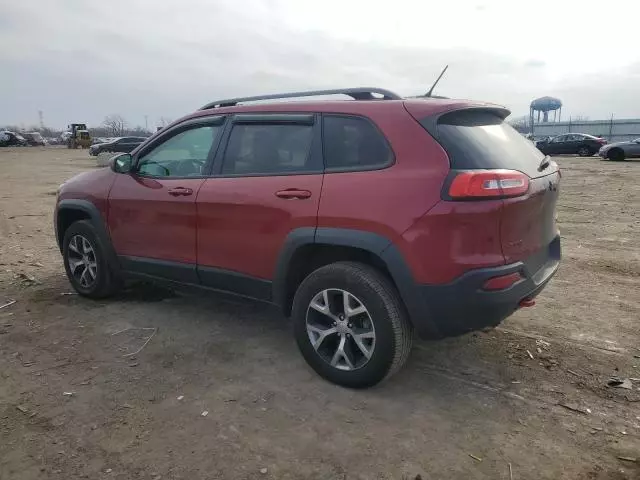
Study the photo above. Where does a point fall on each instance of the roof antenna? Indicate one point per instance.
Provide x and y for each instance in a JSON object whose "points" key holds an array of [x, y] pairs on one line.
{"points": [[428, 94]]}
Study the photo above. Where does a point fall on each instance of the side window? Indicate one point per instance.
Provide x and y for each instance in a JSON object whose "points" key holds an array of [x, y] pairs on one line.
{"points": [[353, 143], [184, 154], [269, 149], [560, 138]]}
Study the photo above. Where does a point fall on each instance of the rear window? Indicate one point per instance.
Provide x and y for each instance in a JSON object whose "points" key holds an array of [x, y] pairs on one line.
{"points": [[481, 139], [353, 143]]}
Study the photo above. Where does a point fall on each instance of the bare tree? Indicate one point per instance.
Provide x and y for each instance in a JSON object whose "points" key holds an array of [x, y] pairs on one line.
{"points": [[521, 124], [164, 121], [115, 125]]}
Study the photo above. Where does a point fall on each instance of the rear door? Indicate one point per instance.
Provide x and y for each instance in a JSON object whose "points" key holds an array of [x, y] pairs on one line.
{"points": [[573, 144], [479, 139], [266, 183], [127, 144]]}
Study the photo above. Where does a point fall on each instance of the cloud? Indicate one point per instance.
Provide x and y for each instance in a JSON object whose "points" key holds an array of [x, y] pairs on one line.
{"points": [[88, 59], [535, 63]]}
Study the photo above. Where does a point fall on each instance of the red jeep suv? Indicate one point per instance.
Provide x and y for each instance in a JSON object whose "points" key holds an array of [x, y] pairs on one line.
{"points": [[362, 219]]}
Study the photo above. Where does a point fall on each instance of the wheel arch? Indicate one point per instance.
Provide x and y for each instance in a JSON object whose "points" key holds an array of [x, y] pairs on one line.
{"points": [[613, 152], [307, 249], [72, 210]]}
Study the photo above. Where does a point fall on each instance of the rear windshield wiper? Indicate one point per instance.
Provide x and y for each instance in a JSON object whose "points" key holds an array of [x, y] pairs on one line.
{"points": [[544, 163]]}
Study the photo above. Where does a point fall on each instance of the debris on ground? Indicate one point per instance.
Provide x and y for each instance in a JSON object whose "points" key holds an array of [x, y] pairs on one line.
{"points": [[25, 279], [618, 382], [628, 459], [180, 397], [573, 373], [263, 471], [22, 408], [8, 303], [575, 408], [542, 344], [205, 413], [530, 355], [68, 394], [477, 459], [154, 331]]}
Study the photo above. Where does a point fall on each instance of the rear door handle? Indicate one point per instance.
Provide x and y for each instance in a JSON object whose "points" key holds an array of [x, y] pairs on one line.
{"points": [[180, 191], [293, 193]]}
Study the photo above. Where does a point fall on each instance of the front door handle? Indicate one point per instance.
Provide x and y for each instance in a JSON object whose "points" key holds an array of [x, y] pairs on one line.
{"points": [[293, 193], [180, 191]]}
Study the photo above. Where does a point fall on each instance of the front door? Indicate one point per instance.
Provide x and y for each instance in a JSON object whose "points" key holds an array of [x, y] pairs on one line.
{"points": [[266, 184], [152, 211]]}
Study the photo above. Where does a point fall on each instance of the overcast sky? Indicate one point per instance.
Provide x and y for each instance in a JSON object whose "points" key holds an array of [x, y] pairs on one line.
{"points": [[79, 60]]}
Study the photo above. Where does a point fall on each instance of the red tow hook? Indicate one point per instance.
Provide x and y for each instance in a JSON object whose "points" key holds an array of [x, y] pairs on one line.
{"points": [[527, 302]]}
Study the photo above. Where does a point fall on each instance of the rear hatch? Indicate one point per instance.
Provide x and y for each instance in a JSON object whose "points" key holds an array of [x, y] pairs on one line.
{"points": [[491, 160]]}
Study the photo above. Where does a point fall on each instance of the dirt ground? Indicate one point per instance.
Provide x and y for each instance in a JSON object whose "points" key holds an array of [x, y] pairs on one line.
{"points": [[531, 395]]}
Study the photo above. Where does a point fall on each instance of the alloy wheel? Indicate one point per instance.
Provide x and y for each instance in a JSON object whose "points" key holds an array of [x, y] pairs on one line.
{"points": [[81, 259], [340, 329]]}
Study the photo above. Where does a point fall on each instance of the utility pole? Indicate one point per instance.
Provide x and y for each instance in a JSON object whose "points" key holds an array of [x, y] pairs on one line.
{"points": [[611, 129]]}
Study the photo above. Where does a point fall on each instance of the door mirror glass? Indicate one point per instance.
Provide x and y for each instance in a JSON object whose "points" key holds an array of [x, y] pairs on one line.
{"points": [[121, 163]]}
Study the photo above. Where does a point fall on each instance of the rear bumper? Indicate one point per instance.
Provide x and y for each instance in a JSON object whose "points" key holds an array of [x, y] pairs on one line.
{"points": [[463, 306]]}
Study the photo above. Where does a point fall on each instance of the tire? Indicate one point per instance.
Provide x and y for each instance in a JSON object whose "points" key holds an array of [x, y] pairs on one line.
{"points": [[99, 281], [616, 154], [585, 152], [384, 315]]}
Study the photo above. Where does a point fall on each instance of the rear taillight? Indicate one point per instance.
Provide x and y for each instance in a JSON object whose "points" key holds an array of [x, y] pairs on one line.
{"points": [[484, 184]]}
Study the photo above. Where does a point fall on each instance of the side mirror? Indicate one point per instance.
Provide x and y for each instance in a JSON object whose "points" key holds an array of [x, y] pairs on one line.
{"points": [[122, 163]]}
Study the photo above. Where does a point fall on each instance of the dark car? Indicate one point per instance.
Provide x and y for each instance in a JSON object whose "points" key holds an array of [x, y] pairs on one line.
{"points": [[116, 145], [362, 220], [621, 150], [35, 139], [571, 144], [12, 139]]}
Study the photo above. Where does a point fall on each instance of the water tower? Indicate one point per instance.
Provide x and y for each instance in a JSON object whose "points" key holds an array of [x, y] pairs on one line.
{"points": [[545, 105]]}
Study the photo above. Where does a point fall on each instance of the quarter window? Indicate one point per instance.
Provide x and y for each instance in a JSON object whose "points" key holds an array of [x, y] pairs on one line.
{"points": [[353, 143], [268, 149], [184, 154]]}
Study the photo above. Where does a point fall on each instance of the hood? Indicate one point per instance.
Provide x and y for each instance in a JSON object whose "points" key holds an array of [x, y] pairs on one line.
{"points": [[618, 144], [88, 185]]}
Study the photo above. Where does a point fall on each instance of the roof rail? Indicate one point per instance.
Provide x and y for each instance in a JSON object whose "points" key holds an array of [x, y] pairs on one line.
{"points": [[355, 93]]}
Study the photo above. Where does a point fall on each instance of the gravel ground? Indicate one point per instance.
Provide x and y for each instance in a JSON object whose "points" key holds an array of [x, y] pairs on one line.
{"points": [[531, 394]]}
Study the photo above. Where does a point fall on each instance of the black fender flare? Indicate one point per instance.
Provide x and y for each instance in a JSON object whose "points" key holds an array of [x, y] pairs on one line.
{"points": [[96, 219], [376, 244]]}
